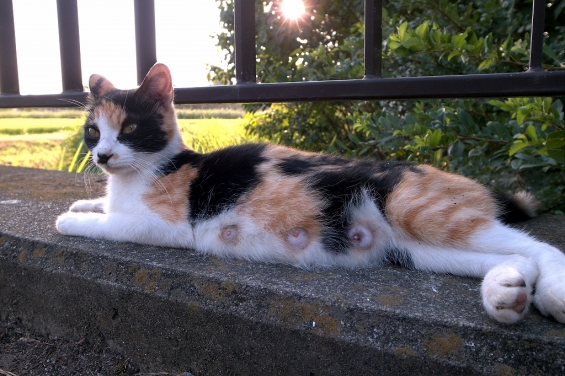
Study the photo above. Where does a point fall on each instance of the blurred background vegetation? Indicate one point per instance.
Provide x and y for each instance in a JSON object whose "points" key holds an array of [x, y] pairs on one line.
{"points": [[509, 144]]}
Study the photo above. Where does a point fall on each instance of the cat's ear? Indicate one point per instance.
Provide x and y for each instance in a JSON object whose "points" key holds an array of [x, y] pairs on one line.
{"points": [[158, 85], [99, 85]]}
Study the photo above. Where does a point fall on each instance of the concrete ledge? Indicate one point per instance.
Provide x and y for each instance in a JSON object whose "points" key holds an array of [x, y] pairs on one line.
{"points": [[175, 310]]}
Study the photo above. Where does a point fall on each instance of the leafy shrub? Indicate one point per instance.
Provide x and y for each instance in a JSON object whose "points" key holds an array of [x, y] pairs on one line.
{"points": [[509, 144]]}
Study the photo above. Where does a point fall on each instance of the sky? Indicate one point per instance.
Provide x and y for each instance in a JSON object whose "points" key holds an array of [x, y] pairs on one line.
{"points": [[107, 38]]}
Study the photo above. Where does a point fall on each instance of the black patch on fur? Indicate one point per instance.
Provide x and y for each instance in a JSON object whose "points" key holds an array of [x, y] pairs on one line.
{"points": [[509, 209], [148, 136], [399, 257], [90, 142], [298, 165], [224, 176], [95, 90], [185, 157], [341, 186]]}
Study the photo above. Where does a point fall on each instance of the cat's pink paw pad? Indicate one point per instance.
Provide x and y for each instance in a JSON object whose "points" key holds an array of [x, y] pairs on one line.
{"points": [[298, 238], [360, 237], [506, 296]]}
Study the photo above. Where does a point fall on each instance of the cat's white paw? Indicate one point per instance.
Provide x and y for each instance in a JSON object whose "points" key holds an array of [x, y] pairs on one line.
{"points": [[88, 206], [506, 295], [550, 296], [65, 223], [71, 223]]}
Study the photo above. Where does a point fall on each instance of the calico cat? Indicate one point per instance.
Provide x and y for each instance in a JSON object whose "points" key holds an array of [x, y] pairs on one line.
{"points": [[274, 204]]}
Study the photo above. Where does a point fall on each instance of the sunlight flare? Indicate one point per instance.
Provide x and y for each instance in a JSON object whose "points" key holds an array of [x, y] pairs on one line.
{"points": [[293, 9]]}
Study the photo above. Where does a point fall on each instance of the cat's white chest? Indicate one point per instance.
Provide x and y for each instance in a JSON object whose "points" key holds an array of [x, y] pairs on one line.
{"points": [[125, 195]]}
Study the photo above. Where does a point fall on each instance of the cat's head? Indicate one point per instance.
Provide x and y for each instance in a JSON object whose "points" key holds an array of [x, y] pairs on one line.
{"points": [[132, 130]]}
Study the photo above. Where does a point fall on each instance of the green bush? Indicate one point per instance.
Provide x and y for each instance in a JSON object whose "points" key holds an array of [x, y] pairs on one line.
{"points": [[509, 144]]}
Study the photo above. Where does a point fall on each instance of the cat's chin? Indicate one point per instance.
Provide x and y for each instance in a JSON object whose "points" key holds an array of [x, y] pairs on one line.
{"points": [[117, 170]]}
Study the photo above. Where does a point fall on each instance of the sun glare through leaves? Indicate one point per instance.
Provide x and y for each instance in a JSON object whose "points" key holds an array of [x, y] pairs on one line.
{"points": [[293, 9]]}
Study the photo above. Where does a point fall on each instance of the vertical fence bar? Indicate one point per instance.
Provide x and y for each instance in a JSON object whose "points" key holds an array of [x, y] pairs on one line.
{"points": [[373, 38], [69, 45], [245, 53], [9, 81], [145, 42], [536, 39]]}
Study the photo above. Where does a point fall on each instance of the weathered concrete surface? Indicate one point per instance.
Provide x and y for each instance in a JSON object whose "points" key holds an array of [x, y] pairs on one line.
{"points": [[175, 310]]}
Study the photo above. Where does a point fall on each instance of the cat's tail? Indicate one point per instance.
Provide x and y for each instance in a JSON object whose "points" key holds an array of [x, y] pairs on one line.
{"points": [[516, 208]]}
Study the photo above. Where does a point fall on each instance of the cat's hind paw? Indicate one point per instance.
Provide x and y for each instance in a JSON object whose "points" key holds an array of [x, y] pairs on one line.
{"points": [[549, 298], [506, 295]]}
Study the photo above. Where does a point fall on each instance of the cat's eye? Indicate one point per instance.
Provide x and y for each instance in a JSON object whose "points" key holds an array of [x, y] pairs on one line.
{"points": [[129, 128], [93, 132]]}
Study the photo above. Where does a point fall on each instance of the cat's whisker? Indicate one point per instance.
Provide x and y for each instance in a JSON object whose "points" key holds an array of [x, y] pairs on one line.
{"points": [[156, 179], [73, 101]]}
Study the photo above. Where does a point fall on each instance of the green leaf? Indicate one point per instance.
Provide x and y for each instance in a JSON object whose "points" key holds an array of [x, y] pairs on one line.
{"points": [[422, 30], [502, 131], [555, 146], [466, 119], [497, 103], [435, 138], [354, 138], [402, 31], [521, 115], [340, 144], [516, 147], [460, 40], [438, 156], [486, 63], [453, 54], [363, 151], [456, 149], [531, 131], [413, 43], [549, 52]]}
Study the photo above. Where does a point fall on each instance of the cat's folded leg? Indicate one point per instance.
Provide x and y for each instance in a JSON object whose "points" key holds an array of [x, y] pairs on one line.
{"points": [[96, 205]]}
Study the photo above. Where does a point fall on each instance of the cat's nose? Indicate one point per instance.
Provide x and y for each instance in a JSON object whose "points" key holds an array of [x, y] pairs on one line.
{"points": [[103, 158]]}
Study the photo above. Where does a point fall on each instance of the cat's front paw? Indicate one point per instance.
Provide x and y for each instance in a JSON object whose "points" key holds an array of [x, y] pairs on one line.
{"points": [[66, 223], [77, 224], [88, 206], [549, 298], [506, 295]]}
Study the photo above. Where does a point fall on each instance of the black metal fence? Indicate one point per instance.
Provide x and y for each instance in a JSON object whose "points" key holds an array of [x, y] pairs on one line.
{"points": [[534, 82]]}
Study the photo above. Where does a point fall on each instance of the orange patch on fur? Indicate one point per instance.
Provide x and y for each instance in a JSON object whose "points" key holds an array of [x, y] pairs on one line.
{"points": [[277, 153], [169, 194], [281, 205], [114, 114], [440, 208]]}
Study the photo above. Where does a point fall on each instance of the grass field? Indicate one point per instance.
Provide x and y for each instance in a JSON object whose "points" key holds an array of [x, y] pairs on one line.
{"points": [[50, 139]]}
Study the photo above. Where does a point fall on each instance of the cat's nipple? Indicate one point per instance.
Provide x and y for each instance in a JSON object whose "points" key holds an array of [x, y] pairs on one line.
{"points": [[298, 238], [360, 237], [229, 234]]}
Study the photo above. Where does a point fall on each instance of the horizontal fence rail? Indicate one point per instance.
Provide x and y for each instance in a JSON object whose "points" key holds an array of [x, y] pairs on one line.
{"points": [[534, 82]]}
